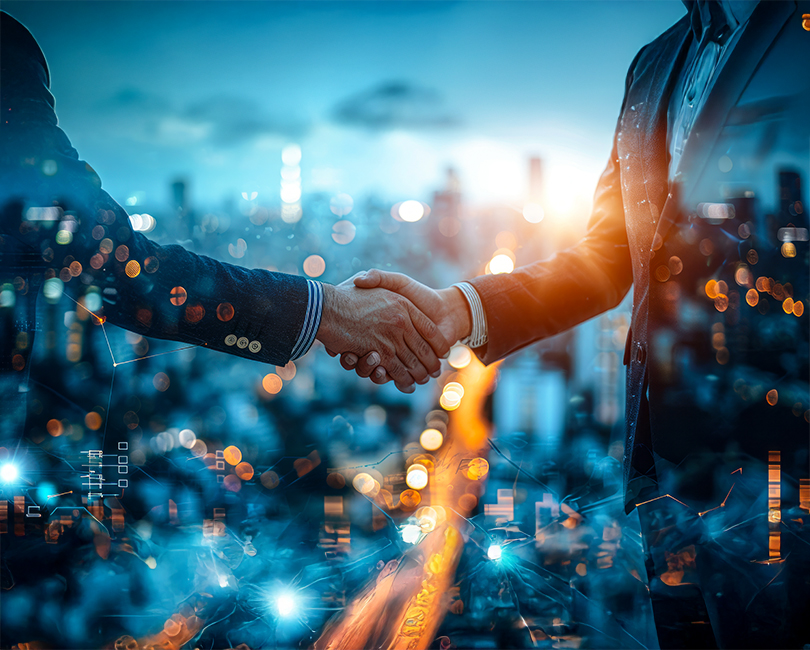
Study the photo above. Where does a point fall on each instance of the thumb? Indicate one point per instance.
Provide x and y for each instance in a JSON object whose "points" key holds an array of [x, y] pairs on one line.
{"points": [[367, 279], [396, 282]]}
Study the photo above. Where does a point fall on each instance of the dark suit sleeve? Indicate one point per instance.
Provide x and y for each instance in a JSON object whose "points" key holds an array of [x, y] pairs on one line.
{"points": [[53, 204], [550, 296]]}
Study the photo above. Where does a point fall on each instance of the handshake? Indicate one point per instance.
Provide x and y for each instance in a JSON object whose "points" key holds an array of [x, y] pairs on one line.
{"points": [[386, 326]]}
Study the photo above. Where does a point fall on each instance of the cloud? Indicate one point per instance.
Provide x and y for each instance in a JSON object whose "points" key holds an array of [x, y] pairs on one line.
{"points": [[222, 121], [236, 120], [394, 104]]}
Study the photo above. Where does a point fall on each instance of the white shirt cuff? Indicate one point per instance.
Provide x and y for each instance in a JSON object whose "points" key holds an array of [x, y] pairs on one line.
{"points": [[312, 320], [478, 336]]}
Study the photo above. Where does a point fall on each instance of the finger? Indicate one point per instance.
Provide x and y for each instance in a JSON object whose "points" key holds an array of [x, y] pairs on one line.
{"points": [[409, 359], [379, 376], [398, 372], [433, 339], [367, 279], [348, 360], [367, 364], [330, 353], [408, 388], [427, 363]]}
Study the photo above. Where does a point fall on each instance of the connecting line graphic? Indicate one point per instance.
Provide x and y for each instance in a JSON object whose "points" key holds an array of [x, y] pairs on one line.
{"points": [[115, 363], [100, 320]]}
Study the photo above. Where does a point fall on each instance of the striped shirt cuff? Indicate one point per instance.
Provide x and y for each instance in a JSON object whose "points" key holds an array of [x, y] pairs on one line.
{"points": [[478, 336], [312, 320]]}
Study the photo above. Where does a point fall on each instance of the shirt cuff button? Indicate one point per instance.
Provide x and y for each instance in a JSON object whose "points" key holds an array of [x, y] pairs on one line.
{"points": [[242, 343], [230, 339], [254, 346]]}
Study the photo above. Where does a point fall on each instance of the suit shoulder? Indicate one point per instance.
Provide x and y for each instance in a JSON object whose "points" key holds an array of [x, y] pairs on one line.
{"points": [[665, 42], [17, 41]]}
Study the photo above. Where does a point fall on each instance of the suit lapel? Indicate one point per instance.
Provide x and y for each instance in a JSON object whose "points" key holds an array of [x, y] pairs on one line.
{"points": [[763, 26]]}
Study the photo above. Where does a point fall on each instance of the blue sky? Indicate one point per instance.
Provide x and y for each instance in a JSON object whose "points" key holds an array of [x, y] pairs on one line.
{"points": [[382, 97]]}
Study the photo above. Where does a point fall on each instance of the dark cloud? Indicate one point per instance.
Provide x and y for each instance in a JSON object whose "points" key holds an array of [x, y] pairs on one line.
{"points": [[222, 120], [395, 104]]}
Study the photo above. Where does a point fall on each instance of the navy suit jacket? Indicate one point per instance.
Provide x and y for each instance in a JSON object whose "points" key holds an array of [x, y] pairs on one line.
{"points": [[165, 292], [757, 113]]}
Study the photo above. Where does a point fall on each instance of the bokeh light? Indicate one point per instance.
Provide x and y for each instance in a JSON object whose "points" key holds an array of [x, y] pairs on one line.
{"points": [[533, 212], [501, 263], [417, 477], [460, 356], [411, 211], [431, 439]]}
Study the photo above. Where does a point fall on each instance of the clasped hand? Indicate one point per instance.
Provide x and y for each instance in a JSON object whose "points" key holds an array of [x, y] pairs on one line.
{"points": [[387, 326]]}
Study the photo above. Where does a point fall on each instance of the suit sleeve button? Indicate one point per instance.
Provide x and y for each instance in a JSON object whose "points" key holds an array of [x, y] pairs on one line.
{"points": [[254, 346], [230, 339], [242, 343]]}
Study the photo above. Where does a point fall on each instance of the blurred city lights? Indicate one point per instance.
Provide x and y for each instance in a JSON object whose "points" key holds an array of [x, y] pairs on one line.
{"points": [[494, 552], [501, 263], [314, 266], [451, 396], [290, 193], [417, 477], [460, 356], [8, 473], [533, 212], [428, 519], [364, 483], [431, 439], [411, 533], [341, 204], [411, 211], [291, 154], [142, 222]]}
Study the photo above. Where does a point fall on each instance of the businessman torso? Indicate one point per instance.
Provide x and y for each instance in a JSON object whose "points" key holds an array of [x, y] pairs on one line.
{"points": [[749, 149]]}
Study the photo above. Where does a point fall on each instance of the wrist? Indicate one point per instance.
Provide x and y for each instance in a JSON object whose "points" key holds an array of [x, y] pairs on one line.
{"points": [[458, 312], [325, 332]]}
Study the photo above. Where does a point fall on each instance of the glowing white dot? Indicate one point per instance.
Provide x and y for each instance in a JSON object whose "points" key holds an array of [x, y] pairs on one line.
{"points": [[533, 212], [291, 173], [290, 193], [460, 356], [501, 264], [8, 473], [363, 483], [494, 552], [417, 477], [285, 604], [291, 155], [52, 290], [431, 439], [411, 533], [411, 211], [187, 438]]}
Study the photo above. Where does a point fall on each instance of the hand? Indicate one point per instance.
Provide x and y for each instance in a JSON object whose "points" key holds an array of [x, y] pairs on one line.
{"points": [[407, 343], [447, 308]]}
